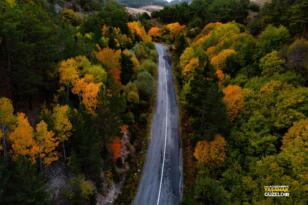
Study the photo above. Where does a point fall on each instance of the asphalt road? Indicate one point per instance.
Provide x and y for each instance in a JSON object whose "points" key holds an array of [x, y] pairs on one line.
{"points": [[161, 182]]}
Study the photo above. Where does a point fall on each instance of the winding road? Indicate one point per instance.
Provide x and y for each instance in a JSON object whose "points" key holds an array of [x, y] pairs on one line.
{"points": [[161, 182]]}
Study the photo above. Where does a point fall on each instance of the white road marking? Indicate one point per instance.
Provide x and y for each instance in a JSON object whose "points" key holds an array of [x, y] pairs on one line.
{"points": [[166, 132]]}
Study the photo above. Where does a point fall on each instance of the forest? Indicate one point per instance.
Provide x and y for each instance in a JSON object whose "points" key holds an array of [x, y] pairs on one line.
{"points": [[76, 94], [242, 83], [77, 90]]}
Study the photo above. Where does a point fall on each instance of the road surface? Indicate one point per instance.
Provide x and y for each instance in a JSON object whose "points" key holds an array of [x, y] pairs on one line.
{"points": [[161, 182]]}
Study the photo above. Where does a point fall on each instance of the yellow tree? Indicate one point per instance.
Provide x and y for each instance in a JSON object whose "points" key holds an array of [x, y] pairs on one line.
{"points": [[294, 153], [175, 29], [68, 72], [89, 96], [111, 61], [80, 84], [299, 131], [88, 91], [22, 140], [217, 150], [191, 66], [61, 125], [211, 153], [295, 147], [137, 29], [186, 56], [7, 119], [234, 100], [47, 144], [202, 152], [218, 61]]}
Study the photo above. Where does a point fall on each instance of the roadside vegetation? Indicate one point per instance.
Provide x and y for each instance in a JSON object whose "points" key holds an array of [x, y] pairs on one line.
{"points": [[76, 92], [243, 92]]}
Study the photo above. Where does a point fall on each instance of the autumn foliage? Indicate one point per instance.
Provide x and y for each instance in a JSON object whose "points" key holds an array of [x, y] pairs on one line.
{"points": [[297, 134], [111, 60], [221, 76], [7, 120], [85, 79], [137, 29], [115, 148], [61, 122], [6, 112], [211, 153], [47, 143], [234, 100], [175, 29], [22, 139], [68, 72], [88, 91], [154, 32], [190, 66], [188, 61], [219, 60]]}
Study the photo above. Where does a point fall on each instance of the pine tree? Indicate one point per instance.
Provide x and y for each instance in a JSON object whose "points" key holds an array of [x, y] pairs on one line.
{"points": [[23, 184], [204, 103]]}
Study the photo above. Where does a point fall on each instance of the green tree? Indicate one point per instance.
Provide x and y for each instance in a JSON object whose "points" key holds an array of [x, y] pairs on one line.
{"points": [[111, 14], [29, 43], [81, 191], [85, 146], [299, 17], [207, 191], [205, 105], [272, 64], [22, 184], [127, 71], [272, 38], [144, 83], [297, 56]]}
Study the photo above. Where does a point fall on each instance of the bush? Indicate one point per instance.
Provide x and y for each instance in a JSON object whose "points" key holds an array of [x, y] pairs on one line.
{"points": [[72, 17], [144, 83], [297, 56], [149, 66]]}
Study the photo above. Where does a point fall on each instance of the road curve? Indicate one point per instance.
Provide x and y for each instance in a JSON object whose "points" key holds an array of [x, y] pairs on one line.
{"points": [[161, 182]]}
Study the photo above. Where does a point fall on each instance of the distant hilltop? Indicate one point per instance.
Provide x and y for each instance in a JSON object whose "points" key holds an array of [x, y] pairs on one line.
{"points": [[141, 3], [260, 2], [144, 9]]}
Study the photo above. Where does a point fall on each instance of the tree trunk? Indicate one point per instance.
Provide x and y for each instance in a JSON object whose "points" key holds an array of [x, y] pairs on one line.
{"points": [[4, 144], [64, 151], [67, 93], [41, 164]]}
